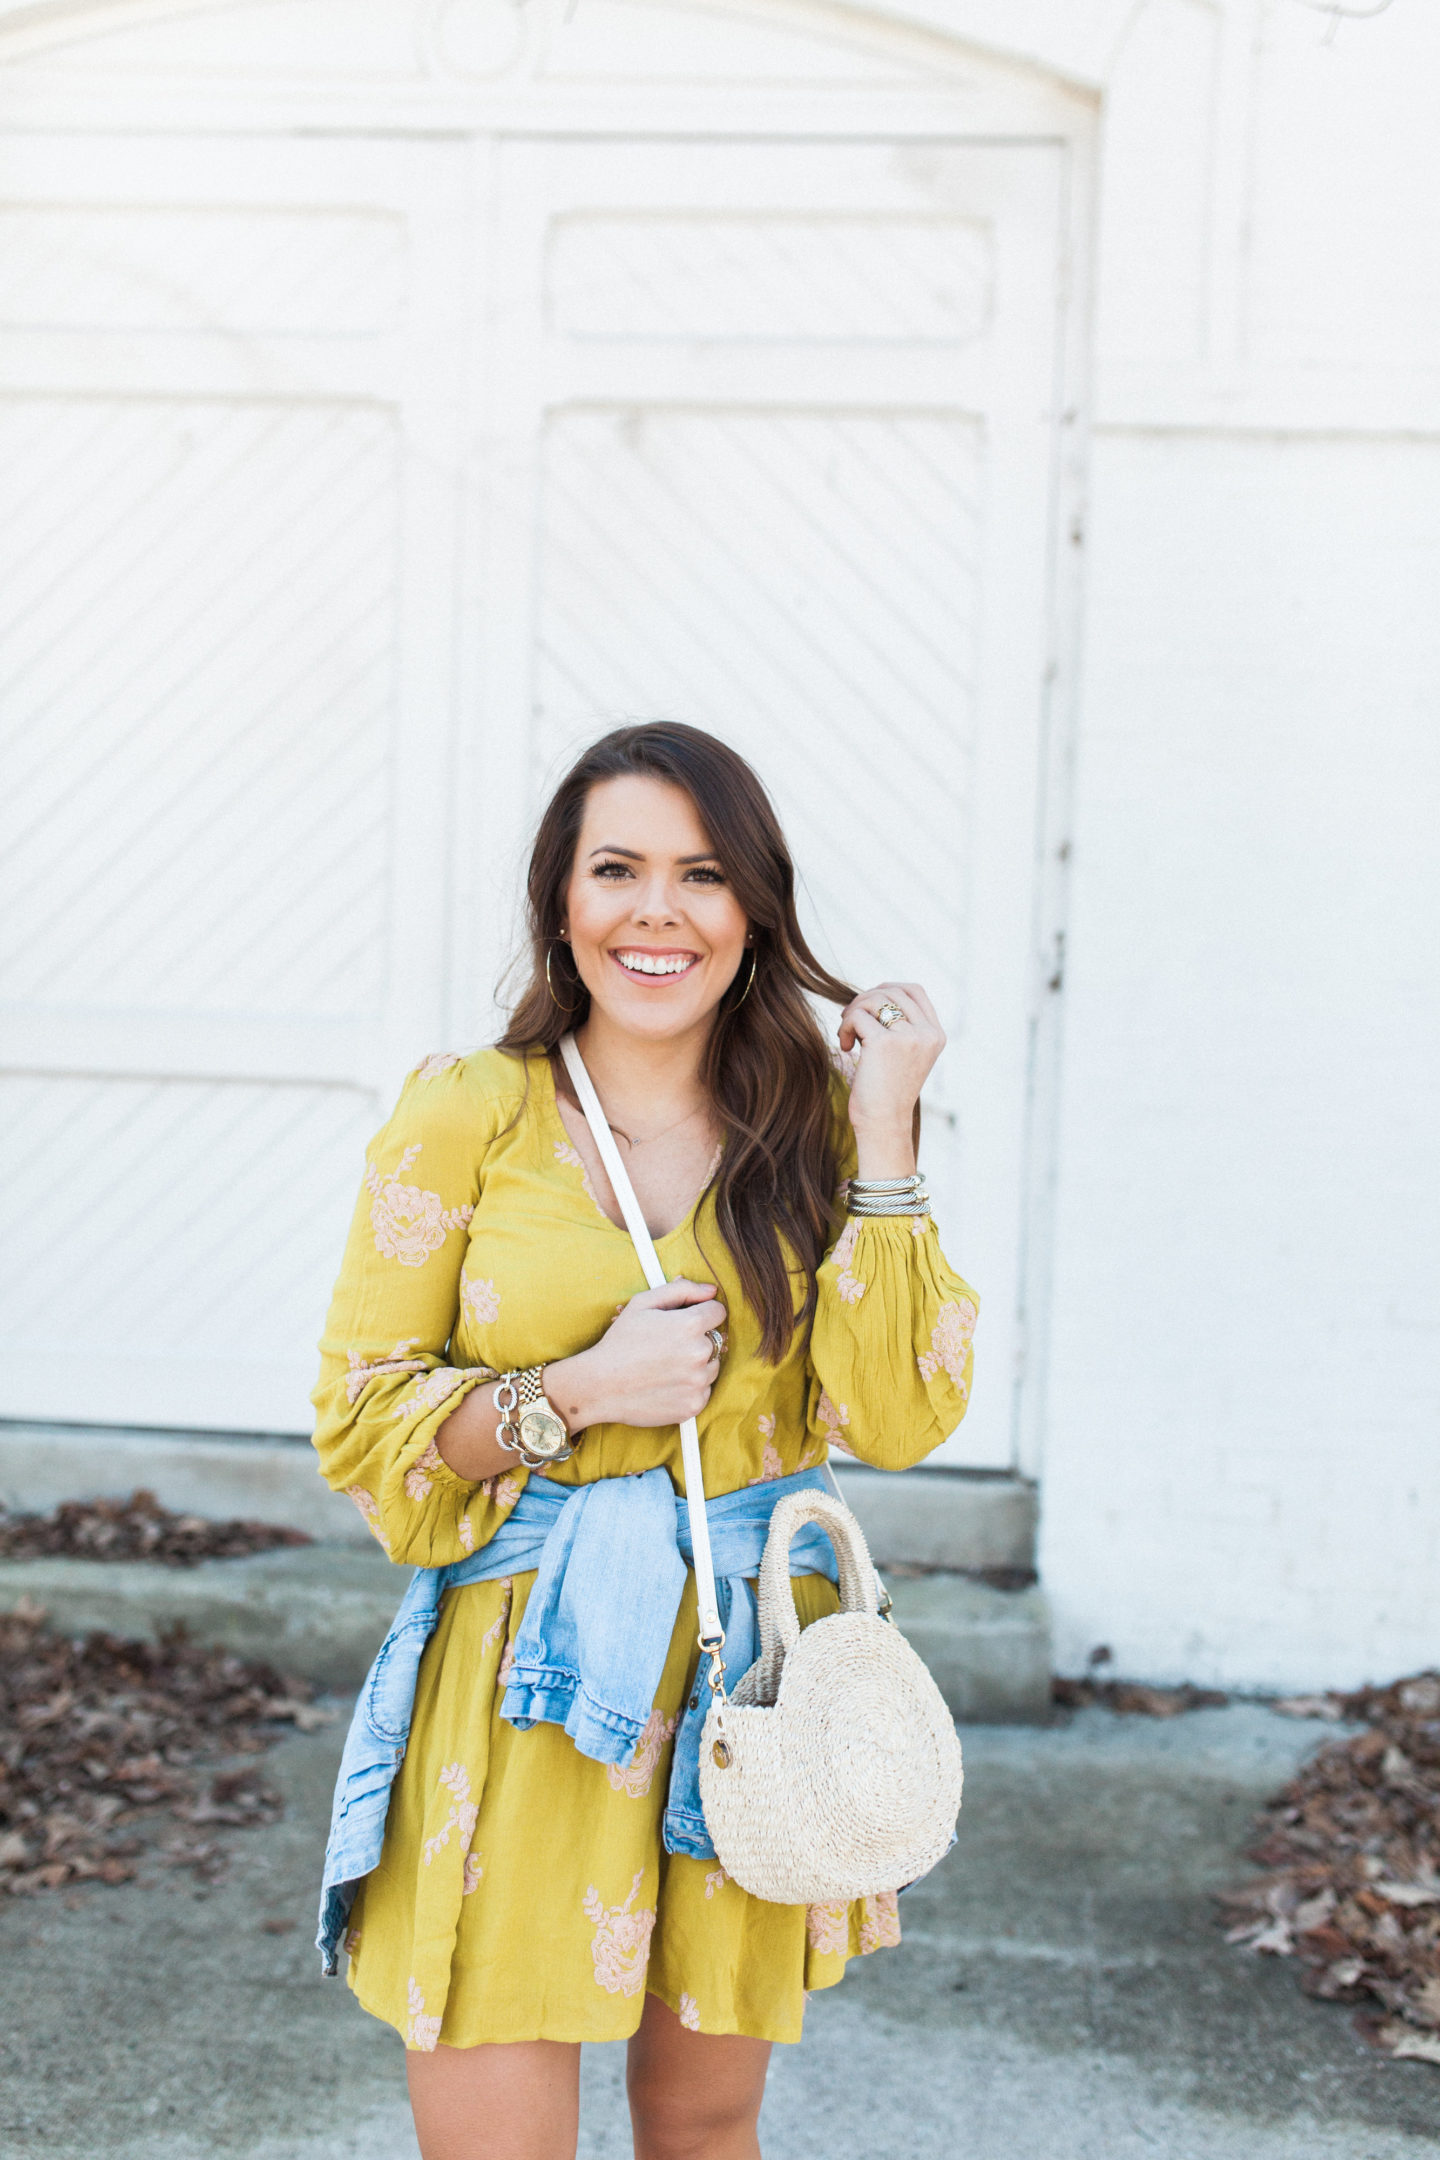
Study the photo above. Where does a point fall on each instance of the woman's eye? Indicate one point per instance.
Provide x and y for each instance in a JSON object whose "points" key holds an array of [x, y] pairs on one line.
{"points": [[612, 870], [706, 876]]}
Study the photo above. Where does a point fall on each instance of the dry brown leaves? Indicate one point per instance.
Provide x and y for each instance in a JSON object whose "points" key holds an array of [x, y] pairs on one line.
{"points": [[1129, 1699], [135, 1529], [100, 1734], [1351, 1849]]}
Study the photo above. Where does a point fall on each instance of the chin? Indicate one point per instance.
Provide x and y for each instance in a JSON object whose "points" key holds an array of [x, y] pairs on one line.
{"points": [[653, 1017]]}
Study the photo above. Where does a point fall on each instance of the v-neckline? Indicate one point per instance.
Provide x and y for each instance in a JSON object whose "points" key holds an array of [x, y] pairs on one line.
{"points": [[552, 1103]]}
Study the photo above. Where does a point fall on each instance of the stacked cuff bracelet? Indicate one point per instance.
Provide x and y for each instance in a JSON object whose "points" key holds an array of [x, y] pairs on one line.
{"points": [[889, 1196]]}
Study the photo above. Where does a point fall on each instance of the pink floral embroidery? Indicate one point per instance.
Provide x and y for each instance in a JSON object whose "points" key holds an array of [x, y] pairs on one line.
{"points": [[620, 1946], [827, 1928], [370, 1509], [417, 1479], [689, 2013], [480, 1298], [470, 1880], [409, 1223], [565, 1153], [714, 1881], [849, 1285], [497, 1626], [919, 1224], [771, 1466], [846, 1063], [832, 1418], [464, 1812], [507, 1665], [634, 1777], [503, 1488], [949, 1341], [422, 2033], [436, 1387], [360, 1374], [879, 1922], [352, 1942], [438, 1061], [465, 1531]]}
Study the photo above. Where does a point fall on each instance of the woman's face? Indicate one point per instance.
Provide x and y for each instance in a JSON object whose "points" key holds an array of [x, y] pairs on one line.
{"points": [[656, 931]]}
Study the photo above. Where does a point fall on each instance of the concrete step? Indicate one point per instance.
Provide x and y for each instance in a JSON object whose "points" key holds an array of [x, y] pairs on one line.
{"points": [[971, 1520], [223, 1475], [323, 1611], [318, 1610], [965, 1519]]}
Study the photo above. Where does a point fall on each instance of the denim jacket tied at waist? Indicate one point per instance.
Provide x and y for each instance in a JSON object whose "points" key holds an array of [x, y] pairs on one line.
{"points": [[611, 1560]]}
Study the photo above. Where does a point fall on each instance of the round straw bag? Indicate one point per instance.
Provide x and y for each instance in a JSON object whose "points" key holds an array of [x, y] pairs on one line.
{"points": [[833, 1771]]}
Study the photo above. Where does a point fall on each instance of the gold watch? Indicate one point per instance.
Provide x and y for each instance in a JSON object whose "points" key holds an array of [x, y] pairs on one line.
{"points": [[530, 1425]]}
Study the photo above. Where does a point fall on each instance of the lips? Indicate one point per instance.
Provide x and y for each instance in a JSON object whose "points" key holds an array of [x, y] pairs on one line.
{"points": [[643, 965]]}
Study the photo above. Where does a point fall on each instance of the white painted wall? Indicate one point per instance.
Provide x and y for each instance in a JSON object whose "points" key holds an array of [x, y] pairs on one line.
{"points": [[1242, 1481]]}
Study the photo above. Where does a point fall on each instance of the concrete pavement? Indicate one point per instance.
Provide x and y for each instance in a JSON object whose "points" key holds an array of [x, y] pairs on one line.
{"points": [[1063, 1993]]}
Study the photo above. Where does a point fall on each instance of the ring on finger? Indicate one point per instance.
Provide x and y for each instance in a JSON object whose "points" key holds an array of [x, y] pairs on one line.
{"points": [[717, 1340], [889, 1013]]}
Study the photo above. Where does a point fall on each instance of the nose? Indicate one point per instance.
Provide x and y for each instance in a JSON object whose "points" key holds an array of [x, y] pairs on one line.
{"points": [[656, 903]]}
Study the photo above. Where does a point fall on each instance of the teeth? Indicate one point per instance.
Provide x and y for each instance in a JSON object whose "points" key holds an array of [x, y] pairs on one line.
{"points": [[655, 963]]}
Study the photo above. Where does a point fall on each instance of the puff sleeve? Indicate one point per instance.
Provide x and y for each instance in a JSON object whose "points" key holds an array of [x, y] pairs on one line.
{"points": [[890, 1350], [385, 1386]]}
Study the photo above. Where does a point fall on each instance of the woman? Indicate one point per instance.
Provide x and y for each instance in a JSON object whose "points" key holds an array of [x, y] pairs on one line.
{"points": [[527, 1890]]}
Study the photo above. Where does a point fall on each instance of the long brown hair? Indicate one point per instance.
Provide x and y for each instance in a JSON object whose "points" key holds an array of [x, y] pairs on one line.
{"points": [[766, 1065]]}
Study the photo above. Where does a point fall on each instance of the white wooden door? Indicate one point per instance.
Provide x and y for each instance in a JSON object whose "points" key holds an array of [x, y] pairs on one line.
{"points": [[229, 383], [768, 438]]}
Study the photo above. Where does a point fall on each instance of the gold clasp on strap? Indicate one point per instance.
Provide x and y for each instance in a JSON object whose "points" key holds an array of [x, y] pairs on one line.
{"points": [[711, 1647]]}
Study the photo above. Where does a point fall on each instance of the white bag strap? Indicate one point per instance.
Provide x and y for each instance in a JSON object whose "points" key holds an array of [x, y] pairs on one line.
{"points": [[710, 1628]]}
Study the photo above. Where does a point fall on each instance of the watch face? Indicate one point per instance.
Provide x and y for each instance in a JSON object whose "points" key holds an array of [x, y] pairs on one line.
{"points": [[543, 1434]]}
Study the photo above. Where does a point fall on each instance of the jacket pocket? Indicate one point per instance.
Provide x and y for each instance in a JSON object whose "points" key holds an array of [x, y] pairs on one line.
{"points": [[388, 1703]]}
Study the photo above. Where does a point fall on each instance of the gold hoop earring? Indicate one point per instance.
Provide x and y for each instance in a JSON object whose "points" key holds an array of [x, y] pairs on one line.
{"points": [[550, 986], [750, 984]]}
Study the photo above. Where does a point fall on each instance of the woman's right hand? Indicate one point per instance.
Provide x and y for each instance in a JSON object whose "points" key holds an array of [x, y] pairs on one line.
{"points": [[654, 1365]]}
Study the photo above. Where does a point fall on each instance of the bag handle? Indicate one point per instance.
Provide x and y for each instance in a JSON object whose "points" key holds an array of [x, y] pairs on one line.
{"points": [[859, 1583]]}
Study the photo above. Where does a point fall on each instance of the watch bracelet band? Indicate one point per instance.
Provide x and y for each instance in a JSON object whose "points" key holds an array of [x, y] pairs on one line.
{"points": [[528, 1384], [525, 1387]]}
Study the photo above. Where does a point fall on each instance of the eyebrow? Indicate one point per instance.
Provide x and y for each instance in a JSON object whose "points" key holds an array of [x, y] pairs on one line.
{"points": [[634, 855]]}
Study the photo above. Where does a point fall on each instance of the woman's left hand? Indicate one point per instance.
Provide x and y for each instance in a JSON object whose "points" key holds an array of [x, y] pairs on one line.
{"points": [[894, 1063]]}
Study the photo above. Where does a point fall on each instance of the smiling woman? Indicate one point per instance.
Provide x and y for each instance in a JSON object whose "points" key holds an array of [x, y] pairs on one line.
{"points": [[519, 1861]]}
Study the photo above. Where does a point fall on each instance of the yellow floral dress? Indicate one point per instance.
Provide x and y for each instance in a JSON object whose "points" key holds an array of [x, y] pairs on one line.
{"points": [[523, 1893]]}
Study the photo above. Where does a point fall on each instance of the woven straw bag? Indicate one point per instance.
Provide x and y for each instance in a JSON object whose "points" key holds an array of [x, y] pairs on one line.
{"points": [[833, 1771]]}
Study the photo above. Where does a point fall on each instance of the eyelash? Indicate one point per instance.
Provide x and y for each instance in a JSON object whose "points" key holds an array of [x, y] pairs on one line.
{"points": [[702, 871]]}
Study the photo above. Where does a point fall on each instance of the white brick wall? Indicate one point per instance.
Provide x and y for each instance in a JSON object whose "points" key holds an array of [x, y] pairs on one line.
{"points": [[1242, 1481]]}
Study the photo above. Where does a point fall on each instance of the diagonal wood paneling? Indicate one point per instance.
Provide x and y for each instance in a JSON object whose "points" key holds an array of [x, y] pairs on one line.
{"points": [[197, 653], [317, 273], [184, 1229], [771, 278], [806, 586]]}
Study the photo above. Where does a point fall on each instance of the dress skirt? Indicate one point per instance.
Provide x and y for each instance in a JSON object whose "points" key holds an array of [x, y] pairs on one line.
{"points": [[523, 1892]]}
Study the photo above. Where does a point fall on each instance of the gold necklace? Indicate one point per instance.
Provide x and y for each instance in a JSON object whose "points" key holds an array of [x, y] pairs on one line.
{"points": [[649, 1137]]}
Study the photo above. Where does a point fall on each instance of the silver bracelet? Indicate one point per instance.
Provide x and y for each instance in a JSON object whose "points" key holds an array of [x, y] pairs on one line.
{"points": [[867, 1186], [914, 1201]]}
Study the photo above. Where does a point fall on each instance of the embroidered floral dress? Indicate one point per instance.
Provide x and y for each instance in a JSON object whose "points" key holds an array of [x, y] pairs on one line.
{"points": [[523, 1893]]}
